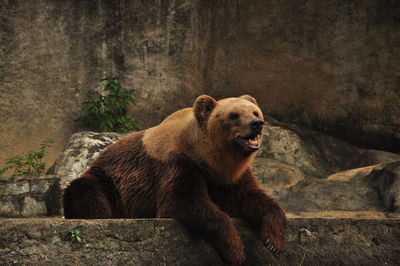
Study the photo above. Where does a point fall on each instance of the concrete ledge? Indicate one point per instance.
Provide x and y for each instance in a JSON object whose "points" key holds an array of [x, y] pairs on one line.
{"points": [[46, 241]]}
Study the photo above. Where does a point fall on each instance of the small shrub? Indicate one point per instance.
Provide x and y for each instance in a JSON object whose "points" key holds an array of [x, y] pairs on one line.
{"points": [[28, 164], [75, 234], [108, 113]]}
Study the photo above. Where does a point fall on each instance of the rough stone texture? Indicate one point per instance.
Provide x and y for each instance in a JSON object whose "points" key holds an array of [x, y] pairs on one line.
{"points": [[165, 242], [350, 190], [29, 196], [13, 188], [278, 179], [33, 207], [298, 155], [313, 153], [373, 188], [81, 149], [331, 66], [52, 54]]}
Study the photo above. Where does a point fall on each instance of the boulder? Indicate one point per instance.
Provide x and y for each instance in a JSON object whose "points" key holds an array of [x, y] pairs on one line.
{"points": [[372, 188], [344, 191], [313, 153], [81, 149]]}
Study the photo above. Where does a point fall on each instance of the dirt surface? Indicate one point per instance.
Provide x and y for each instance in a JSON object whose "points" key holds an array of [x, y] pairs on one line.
{"points": [[345, 215], [310, 241]]}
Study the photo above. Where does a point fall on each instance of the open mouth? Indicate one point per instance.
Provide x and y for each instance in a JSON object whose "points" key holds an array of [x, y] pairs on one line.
{"points": [[250, 142]]}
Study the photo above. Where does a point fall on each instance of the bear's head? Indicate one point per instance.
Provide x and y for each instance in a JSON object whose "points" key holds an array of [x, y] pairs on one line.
{"points": [[231, 124]]}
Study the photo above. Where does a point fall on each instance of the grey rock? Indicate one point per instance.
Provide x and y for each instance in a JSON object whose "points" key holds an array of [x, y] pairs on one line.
{"points": [[8, 208], [33, 207], [40, 186], [313, 153], [351, 190], [43, 197], [13, 188], [81, 149]]}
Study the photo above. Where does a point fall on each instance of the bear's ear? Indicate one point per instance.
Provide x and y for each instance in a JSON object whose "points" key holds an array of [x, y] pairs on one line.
{"points": [[203, 106], [249, 98]]}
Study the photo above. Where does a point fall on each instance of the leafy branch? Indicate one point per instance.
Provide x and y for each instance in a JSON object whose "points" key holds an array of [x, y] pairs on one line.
{"points": [[108, 113], [28, 164]]}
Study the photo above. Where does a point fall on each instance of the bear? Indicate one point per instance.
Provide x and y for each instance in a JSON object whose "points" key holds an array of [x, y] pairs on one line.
{"points": [[194, 167]]}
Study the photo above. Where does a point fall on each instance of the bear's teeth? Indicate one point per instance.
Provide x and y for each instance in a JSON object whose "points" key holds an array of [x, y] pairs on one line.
{"points": [[253, 142]]}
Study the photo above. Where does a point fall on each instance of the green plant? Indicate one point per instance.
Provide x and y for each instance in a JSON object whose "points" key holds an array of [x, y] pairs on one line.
{"points": [[75, 234], [108, 113], [28, 164]]}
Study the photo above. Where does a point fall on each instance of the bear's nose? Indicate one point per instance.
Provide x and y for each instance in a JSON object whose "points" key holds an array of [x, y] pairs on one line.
{"points": [[257, 124]]}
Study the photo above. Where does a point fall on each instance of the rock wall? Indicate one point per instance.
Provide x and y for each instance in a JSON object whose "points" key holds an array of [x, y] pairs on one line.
{"points": [[52, 54], [331, 66], [28, 196]]}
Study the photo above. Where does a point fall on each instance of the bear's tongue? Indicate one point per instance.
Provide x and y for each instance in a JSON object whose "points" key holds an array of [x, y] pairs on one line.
{"points": [[253, 143]]}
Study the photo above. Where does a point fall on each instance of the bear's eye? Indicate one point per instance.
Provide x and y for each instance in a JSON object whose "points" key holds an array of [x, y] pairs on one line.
{"points": [[234, 116], [255, 114]]}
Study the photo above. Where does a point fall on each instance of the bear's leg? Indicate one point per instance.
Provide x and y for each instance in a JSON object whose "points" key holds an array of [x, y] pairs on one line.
{"points": [[247, 200], [187, 200], [85, 199]]}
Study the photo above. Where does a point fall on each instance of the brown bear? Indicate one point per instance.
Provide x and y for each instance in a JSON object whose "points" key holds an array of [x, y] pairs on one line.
{"points": [[194, 167]]}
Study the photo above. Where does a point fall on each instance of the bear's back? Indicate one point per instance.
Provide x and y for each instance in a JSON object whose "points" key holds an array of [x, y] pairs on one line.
{"points": [[135, 175]]}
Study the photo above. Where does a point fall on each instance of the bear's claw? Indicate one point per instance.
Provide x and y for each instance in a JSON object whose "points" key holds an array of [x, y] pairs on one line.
{"points": [[268, 244]]}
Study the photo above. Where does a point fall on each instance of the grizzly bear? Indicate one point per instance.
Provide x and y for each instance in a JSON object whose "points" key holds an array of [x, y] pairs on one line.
{"points": [[193, 167]]}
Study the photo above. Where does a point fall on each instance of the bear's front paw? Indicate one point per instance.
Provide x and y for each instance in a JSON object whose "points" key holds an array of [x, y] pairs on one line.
{"points": [[274, 227], [231, 251], [233, 255]]}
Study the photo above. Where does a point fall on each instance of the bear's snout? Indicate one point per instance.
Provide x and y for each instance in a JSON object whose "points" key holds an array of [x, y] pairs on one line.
{"points": [[257, 125]]}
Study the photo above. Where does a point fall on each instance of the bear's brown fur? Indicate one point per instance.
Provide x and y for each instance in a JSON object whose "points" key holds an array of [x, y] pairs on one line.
{"points": [[194, 167]]}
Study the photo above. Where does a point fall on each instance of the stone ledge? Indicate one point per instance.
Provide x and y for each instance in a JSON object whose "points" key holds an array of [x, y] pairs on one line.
{"points": [[165, 242]]}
